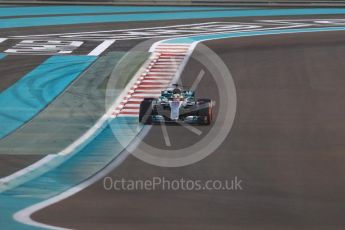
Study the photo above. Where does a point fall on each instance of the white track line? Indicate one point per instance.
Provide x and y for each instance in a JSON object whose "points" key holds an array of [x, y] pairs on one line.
{"points": [[24, 215], [191, 128], [11, 180], [197, 80], [124, 30], [3, 39], [165, 135], [101, 48]]}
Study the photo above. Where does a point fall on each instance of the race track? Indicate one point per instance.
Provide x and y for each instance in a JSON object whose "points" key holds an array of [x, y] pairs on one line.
{"points": [[285, 143]]}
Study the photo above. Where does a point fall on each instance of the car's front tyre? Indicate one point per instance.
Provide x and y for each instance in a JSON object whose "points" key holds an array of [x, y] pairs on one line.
{"points": [[205, 111], [145, 111]]}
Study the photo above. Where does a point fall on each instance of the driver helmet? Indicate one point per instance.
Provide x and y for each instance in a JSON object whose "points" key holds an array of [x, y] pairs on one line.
{"points": [[176, 91]]}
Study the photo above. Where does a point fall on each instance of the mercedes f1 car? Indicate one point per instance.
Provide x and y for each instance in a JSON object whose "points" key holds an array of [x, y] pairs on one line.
{"points": [[176, 105]]}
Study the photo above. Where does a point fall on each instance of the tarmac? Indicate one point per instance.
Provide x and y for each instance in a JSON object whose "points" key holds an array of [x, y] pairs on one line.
{"points": [[285, 145]]}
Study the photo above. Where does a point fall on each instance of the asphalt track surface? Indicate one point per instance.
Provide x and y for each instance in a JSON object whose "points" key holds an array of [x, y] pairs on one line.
{"points": [[286, 145]]}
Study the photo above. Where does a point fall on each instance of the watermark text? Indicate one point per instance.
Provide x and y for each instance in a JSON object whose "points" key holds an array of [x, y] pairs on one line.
{"points": [[164, 184]]}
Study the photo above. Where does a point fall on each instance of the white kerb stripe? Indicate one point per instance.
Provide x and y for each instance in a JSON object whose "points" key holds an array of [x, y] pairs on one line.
{"points": [[135, 99], [129, 110], [132, 106], [158, 80], [142, 95], [127, 115], [159, 73], [159, 77], [3, 39], [151, 91]]}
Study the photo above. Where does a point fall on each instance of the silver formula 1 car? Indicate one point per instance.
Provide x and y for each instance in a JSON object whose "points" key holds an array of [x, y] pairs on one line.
{"points": [[176, 105]]}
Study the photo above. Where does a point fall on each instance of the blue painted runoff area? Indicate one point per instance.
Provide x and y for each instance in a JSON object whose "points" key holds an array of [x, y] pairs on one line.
{"points": [[29, 95], [80, 19], [2, 55], [51, 10], [95, 156]]}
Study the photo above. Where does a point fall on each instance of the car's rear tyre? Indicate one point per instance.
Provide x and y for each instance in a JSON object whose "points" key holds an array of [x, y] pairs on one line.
{"points": [[145, 111], [205, 111]]}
